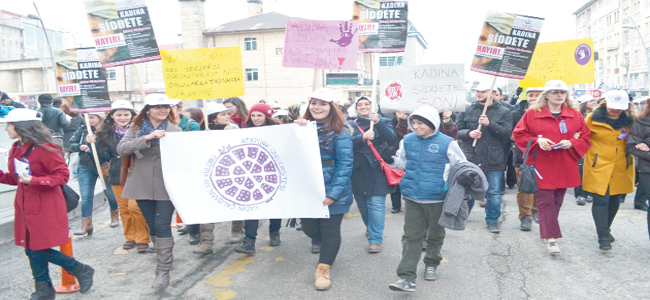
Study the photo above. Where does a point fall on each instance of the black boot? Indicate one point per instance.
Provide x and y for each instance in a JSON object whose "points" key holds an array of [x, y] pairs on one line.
{"points": [[605, 243], [274, 239], [195, 238], [247, 247], [184, 230], [84, 274], [44, 291]]}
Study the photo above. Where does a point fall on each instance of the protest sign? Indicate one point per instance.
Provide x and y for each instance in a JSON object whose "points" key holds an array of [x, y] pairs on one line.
{"points": [[81, 80], [313, 44], [506, 44], [571, 61], [122, 31], [383, 25], [257, 173], [410, 87], [203, 73]]}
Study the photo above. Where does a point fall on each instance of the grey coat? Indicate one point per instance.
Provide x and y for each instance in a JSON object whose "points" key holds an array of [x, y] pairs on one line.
{"points": [[466, 181], [146, 182]]}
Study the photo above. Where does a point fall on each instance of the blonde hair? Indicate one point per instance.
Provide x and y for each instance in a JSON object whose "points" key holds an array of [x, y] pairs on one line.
{"points": [[630, 108], [542, 102]]}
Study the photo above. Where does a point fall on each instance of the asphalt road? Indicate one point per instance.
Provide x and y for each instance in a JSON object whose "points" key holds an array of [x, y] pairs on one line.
{"points": [[477, 265]]}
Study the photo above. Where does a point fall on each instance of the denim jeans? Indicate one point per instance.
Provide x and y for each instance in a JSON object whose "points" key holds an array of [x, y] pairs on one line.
{"points": [[40, 259], [493, 206], [87, 180], [158, 215], [327, 232], [250, 227], [373, 214]]}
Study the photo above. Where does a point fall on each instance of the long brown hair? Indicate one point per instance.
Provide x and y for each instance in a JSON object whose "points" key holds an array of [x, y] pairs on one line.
{"points": [[139, 119], [107, 128], [242, 110], [334, 120], [646, 111], [35, 132]]}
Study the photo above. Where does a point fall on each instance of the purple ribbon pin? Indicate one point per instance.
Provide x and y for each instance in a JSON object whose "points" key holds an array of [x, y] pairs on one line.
{"points": [[623, 134]]}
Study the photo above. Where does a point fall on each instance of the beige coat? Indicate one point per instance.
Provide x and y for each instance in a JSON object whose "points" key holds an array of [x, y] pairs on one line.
{"points": [[146, 182]]}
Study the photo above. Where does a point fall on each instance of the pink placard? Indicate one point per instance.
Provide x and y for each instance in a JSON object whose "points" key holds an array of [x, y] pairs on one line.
{"points": [[312, 44]]}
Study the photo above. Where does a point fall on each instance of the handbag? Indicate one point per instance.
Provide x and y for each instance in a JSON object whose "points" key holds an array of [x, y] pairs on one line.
{"points": [[71, 197], [105, 169], [394, 176], [126, 168], [527, 173]]}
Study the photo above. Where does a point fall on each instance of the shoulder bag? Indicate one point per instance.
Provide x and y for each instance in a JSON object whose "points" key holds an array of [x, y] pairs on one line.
{"points": [[394, 176], [527, 173]]}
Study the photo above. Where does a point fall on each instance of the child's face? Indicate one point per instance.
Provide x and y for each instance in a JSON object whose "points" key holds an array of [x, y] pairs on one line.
{"points": [[420, 128]]}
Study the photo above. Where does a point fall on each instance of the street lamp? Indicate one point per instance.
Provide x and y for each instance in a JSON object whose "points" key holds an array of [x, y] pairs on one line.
{"points": [[47, 39], [638, 30]]}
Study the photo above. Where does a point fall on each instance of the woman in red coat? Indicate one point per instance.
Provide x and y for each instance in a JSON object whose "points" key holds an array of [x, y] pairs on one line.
{"points": [[40, 217], [559, 139]]}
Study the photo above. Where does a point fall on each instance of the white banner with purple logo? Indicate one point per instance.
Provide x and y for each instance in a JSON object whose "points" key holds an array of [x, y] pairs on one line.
{"points": [[267, 172]]}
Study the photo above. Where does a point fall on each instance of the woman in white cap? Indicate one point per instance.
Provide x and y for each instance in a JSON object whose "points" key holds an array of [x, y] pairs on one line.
{"points": [[40, 217], [112, 131], [80, 142], [557, 136], [337, 158], [587, 104], [145, 183], [638, 145], [608, 172], [218, 119]]}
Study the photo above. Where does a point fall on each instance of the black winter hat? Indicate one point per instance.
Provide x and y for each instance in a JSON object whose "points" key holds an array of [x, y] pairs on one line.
{"points": [[45, 99], [424, 120]]}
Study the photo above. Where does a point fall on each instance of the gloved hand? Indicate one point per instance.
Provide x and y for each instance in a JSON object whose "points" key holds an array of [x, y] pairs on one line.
{"points": [[519, 90]]}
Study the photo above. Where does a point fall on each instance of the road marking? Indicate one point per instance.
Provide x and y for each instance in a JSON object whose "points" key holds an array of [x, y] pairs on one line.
{"points": [[120, 251], [266, 248], [621, 215], [637, 218], [222, 279], [444, 260], [103, 225], [280, 259], [351, 215], [576, 257], [117, 274]]}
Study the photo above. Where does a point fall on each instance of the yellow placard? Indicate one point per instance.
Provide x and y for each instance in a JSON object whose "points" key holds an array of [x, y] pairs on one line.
{"points": [[203, 73], [571, 61]]}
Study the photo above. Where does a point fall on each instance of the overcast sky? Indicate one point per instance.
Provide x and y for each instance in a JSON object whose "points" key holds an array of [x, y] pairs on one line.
{"points": [[451, 28]]}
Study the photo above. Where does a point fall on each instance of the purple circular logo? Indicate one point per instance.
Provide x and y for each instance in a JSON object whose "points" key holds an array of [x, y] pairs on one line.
{"points": [[583, 54], [245, 175]]}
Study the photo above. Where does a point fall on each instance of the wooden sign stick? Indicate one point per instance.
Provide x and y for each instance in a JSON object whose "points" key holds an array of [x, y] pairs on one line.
{"points": [[487, 103]]}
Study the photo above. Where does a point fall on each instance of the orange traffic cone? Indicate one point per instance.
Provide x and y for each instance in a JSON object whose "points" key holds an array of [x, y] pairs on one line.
{"points": [[69, 283], [179, 222]]}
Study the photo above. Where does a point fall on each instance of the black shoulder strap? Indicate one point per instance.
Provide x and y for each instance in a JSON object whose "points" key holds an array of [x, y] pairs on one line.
{"points": [[530, 141], [29, 151]]}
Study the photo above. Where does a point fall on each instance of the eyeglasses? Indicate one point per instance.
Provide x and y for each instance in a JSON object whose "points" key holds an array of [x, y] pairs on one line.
{"points": [[161, 106], [558, 92]]}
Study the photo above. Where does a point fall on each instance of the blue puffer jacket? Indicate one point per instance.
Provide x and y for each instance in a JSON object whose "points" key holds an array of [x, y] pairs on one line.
{"points": [[338, 184], [426, 159]]}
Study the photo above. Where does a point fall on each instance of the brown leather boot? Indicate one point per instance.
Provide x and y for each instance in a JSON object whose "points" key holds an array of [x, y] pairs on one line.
{"points": [[115, 218], [86, 226], [207, 239], [236, 231], [164, 249], [323, 277]]}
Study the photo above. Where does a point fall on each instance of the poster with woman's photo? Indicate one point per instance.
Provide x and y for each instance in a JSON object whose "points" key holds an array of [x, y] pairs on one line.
{"points": [[383, 25], [506, 44], [81, 80], [122, 31]]}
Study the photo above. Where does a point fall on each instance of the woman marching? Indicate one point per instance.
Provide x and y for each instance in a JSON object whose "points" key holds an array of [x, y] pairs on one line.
{"points": [[80, 142], [260, 115], [638, 145], [608, 172], [40, 218], [145, 183], [113, 129], [558, 138], [337, 158], [239, 112], [218, 119], [369, 182]]}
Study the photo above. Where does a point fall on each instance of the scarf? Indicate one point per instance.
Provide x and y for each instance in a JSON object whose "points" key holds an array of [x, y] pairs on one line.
{"points": [[120, 133], [600, 115], [147, 128], [216, 127], [238, 120], [325, 138]]}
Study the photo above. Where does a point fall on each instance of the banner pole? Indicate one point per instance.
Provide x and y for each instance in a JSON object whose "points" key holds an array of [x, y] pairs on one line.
{"points": [[137, 75], [487, 103], [94, 150], [205, 114]]}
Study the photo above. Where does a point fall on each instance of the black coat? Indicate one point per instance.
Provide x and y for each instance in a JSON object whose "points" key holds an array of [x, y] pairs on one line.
{"points": [[517, 114], [108, 149], [86, 159], [75, 123], [640, 133], [490, 151], [54, 119]]}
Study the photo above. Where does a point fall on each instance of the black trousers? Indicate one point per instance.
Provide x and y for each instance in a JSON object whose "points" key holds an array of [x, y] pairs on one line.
{"points": [[328, 233], [396, 199], [604, 210], [158, 215], [644, 182], [577, 191], [250, 227], [511, 173]]}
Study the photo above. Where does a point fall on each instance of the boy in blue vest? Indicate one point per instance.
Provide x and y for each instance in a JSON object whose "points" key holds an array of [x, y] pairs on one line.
{"points": [[427, 156]]}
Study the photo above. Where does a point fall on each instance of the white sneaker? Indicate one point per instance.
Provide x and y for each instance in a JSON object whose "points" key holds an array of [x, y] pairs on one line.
{"points": [[552, 247]]}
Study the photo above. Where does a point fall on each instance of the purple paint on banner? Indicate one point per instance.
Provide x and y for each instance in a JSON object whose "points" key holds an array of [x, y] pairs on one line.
{"points": [[583, 54]]}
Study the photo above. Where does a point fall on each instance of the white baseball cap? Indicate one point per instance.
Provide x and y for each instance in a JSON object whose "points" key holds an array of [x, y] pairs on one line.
{"points": [[21, 115], [275, 105], [159, 99], [483, 87], [215, 108], [617, 99], [585, 98], [556, 85], [121, 104], [280, 113], [323, 94], [535, 89]]}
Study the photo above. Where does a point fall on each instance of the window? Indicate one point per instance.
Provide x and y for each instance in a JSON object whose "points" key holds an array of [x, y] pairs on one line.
{"points": [[3, 43], [251, 74], [251, 44], [390, 61], [110, 74]]}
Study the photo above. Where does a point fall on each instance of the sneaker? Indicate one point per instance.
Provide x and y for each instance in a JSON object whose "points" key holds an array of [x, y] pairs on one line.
{"points": [[611, 237], [129, 245], [552, 247], [605, 243], [374, 248], [493, 227], [430, 273], [315, 248], [247, 247], [274, 239], [589, 199], [535, 217], [402, 285], [581, 200], [642, 207], [395, 210], [483, 203], [526, 224]]}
